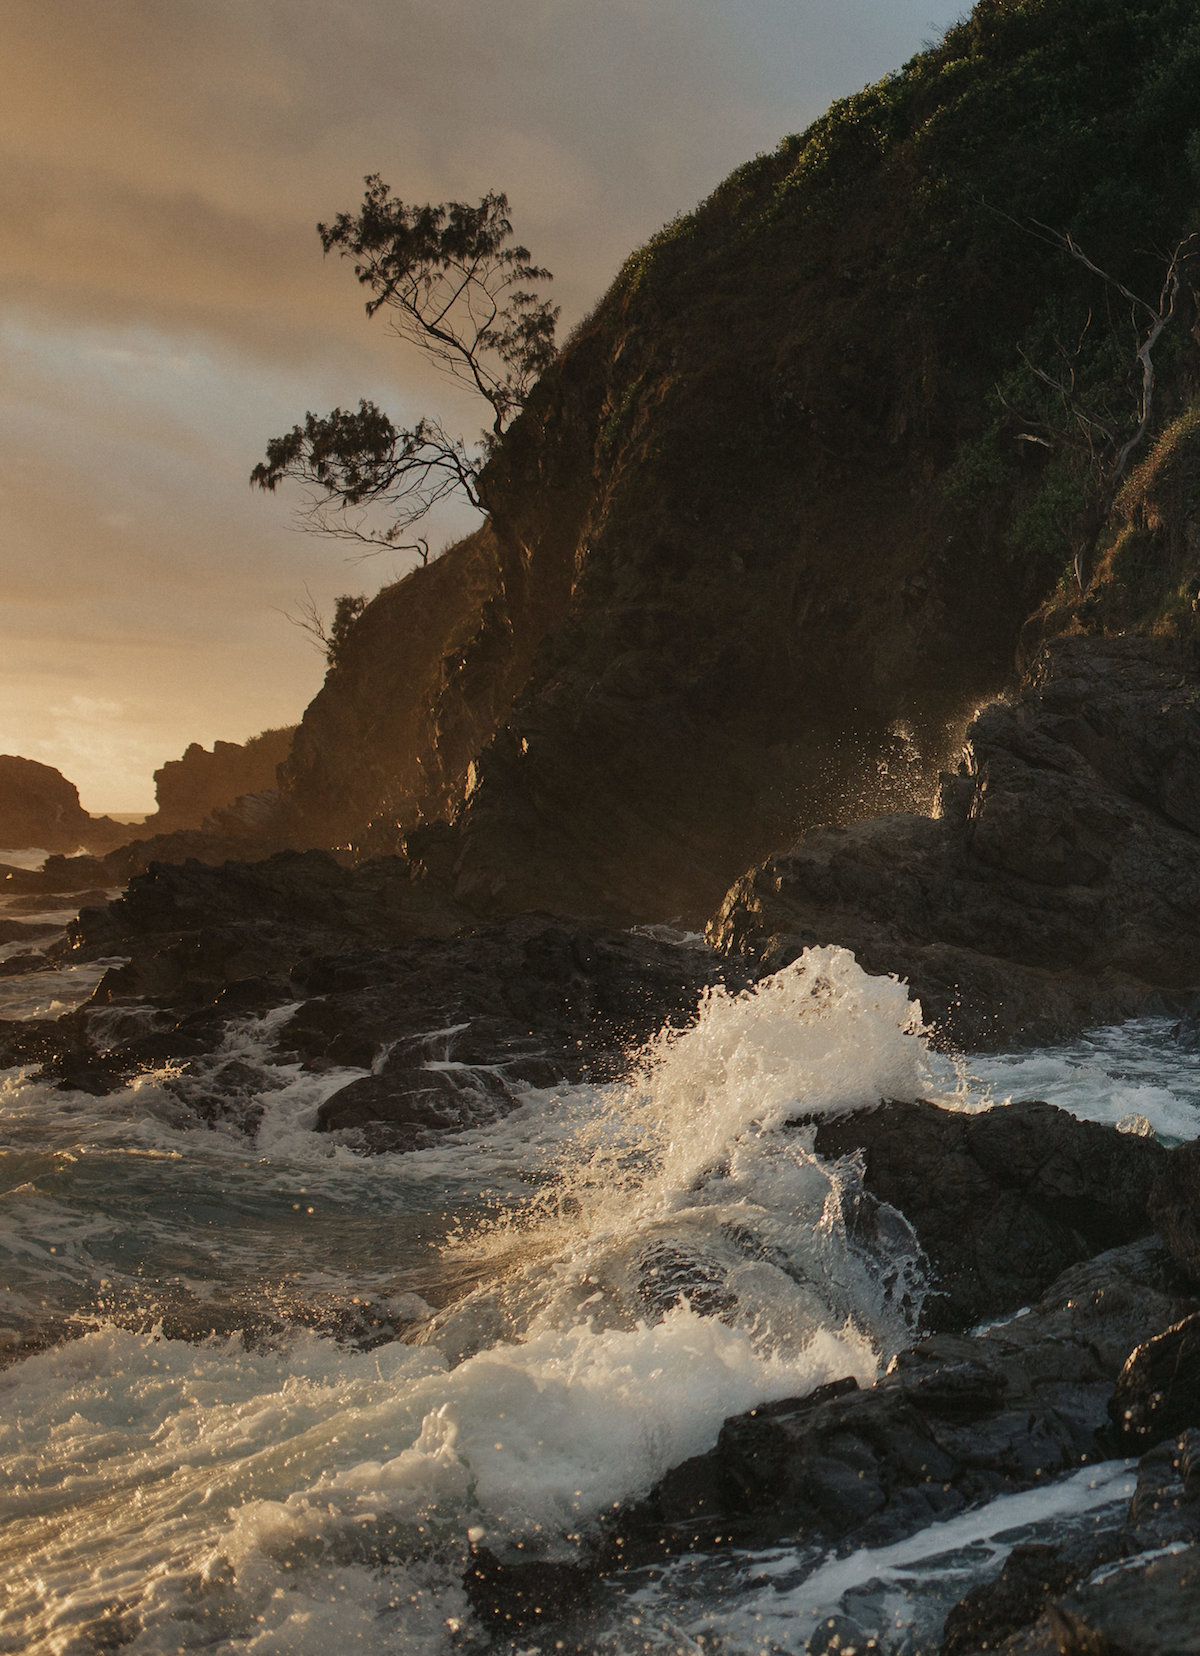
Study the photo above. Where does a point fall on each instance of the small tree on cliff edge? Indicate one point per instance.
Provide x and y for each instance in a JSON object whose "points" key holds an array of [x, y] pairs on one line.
{"points": [[452, 285]]}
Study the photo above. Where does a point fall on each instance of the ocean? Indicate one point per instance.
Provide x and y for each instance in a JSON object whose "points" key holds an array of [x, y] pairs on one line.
{"points": [[263, 1394]]}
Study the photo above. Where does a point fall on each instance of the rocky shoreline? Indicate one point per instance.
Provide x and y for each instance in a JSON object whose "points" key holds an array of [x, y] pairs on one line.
{"points": [[1057, 885]]}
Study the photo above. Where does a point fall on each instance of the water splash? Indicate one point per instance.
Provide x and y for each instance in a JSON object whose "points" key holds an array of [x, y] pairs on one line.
{"points": [[684, 1256]]}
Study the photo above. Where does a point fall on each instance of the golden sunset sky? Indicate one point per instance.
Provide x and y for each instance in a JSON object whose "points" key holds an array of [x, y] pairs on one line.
{"points": [[164, 306]]}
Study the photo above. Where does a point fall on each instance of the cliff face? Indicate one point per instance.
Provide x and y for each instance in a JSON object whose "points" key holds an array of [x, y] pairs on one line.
{"points": [[40, 808], [759, 542], [191, 788]]}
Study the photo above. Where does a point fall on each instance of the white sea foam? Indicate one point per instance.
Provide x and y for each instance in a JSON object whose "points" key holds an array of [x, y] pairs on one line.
{"points": [[1109, 1075], [631, 1264], [685, 1255], [897, 1596]]}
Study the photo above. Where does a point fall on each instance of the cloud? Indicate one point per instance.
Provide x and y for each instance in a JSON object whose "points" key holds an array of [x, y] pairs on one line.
{"points": [[164, 306]]}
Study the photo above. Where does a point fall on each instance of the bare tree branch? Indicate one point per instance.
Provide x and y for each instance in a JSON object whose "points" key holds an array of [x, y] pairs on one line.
{"points": [[1107, 442]]}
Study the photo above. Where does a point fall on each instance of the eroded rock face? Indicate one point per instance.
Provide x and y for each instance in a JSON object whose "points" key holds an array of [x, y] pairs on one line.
{"points": [[1058, 885], [192, 788]]}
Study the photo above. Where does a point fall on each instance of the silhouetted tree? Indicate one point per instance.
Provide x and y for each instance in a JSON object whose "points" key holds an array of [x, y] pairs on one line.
{"points": [[451, 285]]}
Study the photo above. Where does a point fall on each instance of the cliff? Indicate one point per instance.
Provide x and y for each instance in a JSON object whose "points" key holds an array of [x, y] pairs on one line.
{"points": [[40, 809], [191, 788], [762, 538]]}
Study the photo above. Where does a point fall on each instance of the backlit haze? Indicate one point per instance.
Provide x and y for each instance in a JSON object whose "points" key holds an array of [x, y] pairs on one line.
{"points": [[165, 308]]}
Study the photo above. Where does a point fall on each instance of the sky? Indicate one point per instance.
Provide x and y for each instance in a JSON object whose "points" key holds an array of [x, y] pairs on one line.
{"points": [[165, 307]]}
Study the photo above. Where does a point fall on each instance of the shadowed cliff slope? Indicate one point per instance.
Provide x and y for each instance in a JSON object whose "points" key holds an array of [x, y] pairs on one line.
{"points": [[761, 539]]}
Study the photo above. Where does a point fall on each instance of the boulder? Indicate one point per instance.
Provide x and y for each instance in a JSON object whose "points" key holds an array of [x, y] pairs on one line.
{"points": [[957, 1420], [1144, 1607], [1158, 1391], [1003, 1200], [1175, 1207]]}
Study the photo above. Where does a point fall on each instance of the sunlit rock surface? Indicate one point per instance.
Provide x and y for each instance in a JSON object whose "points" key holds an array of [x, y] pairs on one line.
{"points": [[1060, 883]]}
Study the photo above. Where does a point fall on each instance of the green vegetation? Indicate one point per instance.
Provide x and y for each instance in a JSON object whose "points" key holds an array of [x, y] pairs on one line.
{"points": [[904, 283]]}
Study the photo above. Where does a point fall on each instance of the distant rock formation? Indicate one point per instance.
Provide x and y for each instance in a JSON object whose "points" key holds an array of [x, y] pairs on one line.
{"points": [[40, 809], [201, 783]]}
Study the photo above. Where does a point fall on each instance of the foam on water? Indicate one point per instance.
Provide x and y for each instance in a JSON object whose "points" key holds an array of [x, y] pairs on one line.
{"points": [[684, 1256], [745, 1604], [616, 1271], [1112, 1075]]}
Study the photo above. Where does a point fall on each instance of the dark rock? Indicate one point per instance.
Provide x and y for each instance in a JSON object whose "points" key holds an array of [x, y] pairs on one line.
{"points": [[508, 1595], [956, 1421], [456, 1028], [1027, 1608], [40, 809], [201, 783], [1145, 1607], [1001, 1201], [20, 964], [1060, 885], [723, 564], [1165, 1510], [1158, 1391], [1175, 1207], [453, 1022], [19, 931], [1017, 1597]]}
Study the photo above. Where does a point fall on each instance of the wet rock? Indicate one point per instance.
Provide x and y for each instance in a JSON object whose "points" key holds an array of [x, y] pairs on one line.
{"points": [[956, 1421], [523, 1592], [1175, 1207], [1158, 1391], [453, 1020], [1144, 1607], [1001, 1201], [1017, 1597], [1031, 1604], [1057, 885], [454, 1029], [1165, 1509]]}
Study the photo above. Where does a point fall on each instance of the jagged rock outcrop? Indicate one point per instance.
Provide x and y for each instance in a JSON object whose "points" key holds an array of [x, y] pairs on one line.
{"points": [[1060, 883], [745, 553], [40, 809], [957, 1420], [1001, 1201], [191, 789], [451, 1021]]}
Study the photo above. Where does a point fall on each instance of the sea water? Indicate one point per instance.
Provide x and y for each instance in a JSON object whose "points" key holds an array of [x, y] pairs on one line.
{"points": [[263, 1394]]}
